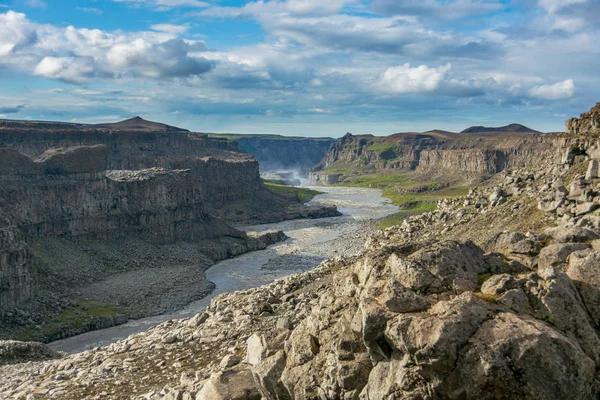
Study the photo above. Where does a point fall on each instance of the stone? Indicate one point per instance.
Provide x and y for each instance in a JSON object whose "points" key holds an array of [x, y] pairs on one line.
{"points": [[234, 384], [586, 208], [555, 255], [256, 349], [510, 366], [570, 234], [583, 270], [229, 361], [592, 171]]}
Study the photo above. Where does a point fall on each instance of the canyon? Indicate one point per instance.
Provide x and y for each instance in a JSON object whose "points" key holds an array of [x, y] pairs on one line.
{"points": [[492, 295], [82, 205]]}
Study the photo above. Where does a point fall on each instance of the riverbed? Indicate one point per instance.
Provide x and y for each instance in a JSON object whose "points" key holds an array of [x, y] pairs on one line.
{"points": [[310, 242]]}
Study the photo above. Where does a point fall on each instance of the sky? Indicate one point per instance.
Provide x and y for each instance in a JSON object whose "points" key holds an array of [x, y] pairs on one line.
{"points": [[301, 67]]}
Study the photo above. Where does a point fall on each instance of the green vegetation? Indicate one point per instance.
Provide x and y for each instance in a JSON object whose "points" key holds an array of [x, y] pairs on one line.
{"points": [[416, 203], [488, 298], [296, 193], [376, 181], [74, 319], [483, 277]]}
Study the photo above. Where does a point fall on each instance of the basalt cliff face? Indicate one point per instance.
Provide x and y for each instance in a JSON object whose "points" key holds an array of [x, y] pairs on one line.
{"points": [[80, 205], [465, 156], [280, 153], [494, 295]]}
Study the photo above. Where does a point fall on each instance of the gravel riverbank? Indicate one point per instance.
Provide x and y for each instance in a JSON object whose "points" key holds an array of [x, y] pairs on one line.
{"points": [[310, 242]]}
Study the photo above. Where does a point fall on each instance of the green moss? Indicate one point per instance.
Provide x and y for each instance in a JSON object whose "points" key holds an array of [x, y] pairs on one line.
{"points": [[300, 194], [488, 298], [376, 181], [483, 277], [416, 203], [74, 319]]}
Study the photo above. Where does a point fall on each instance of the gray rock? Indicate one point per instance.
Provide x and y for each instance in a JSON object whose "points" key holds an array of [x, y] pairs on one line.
{"points": [[571, 234], [229, 361], [592, 170], [556, 254], [256, 349]]}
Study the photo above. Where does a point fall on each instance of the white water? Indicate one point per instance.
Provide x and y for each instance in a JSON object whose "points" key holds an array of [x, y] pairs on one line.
{"points": [[310, 242]]}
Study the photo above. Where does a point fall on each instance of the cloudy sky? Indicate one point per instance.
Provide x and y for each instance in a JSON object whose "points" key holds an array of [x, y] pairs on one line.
{"points": [[303, 67]]}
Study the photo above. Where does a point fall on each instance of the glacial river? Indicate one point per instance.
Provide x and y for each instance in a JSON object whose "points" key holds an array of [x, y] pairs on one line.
{"points": [[310, 241]]}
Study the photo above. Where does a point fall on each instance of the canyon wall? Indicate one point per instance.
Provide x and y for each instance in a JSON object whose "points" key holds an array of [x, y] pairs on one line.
{"points": [[458, 155], [280, 153]]}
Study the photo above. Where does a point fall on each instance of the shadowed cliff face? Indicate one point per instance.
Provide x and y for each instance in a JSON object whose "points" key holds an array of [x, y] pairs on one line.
{"points": [[285, 154]]}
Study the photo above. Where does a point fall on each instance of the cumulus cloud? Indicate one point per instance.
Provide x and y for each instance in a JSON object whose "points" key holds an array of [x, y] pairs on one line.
{"points": [[557, 91], [406, 79], [77, 55]]}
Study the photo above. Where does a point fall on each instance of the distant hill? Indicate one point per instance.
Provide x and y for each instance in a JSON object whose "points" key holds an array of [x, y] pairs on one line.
{"points": [[138, 123], [512, 128]]}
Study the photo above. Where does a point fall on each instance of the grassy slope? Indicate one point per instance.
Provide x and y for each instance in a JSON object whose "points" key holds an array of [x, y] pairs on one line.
{"points": [[73, 319], [302, 195], [410, 203]]}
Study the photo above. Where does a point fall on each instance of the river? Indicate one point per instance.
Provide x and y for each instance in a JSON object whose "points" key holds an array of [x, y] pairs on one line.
{"points": [[310, 241]]}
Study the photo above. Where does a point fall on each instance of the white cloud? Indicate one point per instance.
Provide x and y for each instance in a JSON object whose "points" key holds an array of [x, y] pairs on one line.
{"points": [[557, 91], [77, 55], [90, 10], [165, 5], [169, 28], [263, 8], [555, 5], [405, 79], [36, 3]]}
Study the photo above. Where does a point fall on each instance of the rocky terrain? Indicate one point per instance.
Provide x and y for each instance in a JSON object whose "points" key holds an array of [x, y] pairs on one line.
{"points": [[494, 295], [98, 222], [588, 123]]}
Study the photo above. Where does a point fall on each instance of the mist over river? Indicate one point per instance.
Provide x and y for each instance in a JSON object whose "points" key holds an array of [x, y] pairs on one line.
{"points": [[310, 242]]}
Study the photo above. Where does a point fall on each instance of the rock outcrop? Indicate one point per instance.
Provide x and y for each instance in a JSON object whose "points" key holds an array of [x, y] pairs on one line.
{"points": [[587, 124]]}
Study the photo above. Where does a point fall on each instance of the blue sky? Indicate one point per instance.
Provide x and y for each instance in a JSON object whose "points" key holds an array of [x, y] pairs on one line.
{"points": [[301, 67]]}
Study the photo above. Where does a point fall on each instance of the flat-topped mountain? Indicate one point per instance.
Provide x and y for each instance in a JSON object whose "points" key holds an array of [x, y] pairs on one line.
{"points": [[132, 124], [138, 123], [512, 128]]}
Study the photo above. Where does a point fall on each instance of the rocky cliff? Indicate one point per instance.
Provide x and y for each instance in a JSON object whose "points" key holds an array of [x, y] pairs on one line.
{"points": [[437, 154], [113, 202], [588, 123], [492, 296], [281, 153]]}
